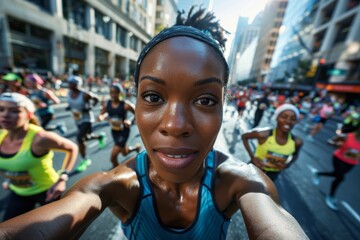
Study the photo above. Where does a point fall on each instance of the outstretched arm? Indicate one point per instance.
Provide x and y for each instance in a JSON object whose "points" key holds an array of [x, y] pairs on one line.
{"points": [[69, 217], [264, 219], [258, 200], [63, 219]]}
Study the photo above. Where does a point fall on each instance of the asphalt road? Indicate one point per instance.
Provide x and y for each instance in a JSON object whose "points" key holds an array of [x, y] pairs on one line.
{"points": [[298, 195]]}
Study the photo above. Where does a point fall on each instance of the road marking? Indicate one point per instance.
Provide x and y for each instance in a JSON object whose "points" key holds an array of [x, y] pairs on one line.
{"points": [[91, 145], [351, 210]]}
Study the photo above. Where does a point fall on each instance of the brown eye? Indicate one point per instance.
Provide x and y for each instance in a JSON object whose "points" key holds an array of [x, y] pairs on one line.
{"points": [[206, 101], [152, 98]]}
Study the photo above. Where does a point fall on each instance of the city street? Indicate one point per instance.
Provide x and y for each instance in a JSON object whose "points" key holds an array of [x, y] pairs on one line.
{"points": [[298, 195]]}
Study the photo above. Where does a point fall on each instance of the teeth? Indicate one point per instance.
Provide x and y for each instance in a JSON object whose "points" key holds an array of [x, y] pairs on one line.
{"points": [[177, 156]]}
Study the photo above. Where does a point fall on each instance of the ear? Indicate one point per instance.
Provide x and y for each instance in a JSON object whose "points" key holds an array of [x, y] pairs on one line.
{"points": [[30, 115]]}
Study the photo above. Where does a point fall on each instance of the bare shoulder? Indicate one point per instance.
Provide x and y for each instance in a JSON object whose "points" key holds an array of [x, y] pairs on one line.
{"points": [[119, 189], [236, 178]]}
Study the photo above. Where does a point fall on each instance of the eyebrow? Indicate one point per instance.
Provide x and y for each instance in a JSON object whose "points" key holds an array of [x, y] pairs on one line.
{"points": [[197, 83]]}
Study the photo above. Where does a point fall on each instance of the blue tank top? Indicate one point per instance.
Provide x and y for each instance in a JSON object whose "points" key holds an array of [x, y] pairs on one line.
{"points": [[38, 95], [118, 112], [209, 222]]}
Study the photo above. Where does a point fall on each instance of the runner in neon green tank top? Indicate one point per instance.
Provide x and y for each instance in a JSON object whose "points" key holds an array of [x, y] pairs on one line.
{"points": [[277, 148], [26, 157]]}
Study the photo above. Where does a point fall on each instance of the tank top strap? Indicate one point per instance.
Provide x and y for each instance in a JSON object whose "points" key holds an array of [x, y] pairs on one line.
{"points": [[33, 130], [108, 105], [141, 169], [210, 164], [3, 134]]}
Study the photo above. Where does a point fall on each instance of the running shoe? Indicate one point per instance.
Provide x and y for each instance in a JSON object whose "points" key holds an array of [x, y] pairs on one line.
{"points": [[102, 140], [331, 202], [315, 177], [83, 165], [62, 129]]}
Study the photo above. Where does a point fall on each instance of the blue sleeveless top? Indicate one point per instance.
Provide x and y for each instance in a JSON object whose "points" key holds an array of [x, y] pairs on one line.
{"points": [[209, 222]]}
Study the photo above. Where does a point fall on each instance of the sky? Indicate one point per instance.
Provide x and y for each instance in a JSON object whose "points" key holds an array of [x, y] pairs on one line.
{"points": [[228, 12]]}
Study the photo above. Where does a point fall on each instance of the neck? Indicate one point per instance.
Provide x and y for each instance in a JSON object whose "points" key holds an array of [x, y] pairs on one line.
{"points": [[175, 187], [18, 133], [281, 134]]}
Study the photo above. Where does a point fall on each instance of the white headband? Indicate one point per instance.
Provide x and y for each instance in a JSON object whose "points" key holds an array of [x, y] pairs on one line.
{"points": [[285, 107], [19, 99]]}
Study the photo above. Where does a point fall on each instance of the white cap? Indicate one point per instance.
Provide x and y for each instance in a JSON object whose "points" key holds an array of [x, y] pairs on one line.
{"points": [[19, 99], [75, 80], [285, 107]]}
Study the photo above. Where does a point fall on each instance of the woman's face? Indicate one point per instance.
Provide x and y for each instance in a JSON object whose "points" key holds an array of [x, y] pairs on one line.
{"points": [[286, 120], [179, 105], [12, 116], [114, 94]]}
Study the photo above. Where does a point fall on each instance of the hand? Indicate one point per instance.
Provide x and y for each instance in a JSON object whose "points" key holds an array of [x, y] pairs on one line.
{"points": [[5, 184], [55, 191], [127, 123], [258, 162], [100, 118]]}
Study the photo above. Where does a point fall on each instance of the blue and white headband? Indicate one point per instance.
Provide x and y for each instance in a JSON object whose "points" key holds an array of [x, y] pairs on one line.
{"points": [[177, 31]]}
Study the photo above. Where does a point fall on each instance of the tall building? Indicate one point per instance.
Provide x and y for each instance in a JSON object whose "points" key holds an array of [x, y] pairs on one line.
{"points": [[336, 47], [272, 20], [294, 43], [243, 47], [235, 47], [166, 12], [86, 36]]}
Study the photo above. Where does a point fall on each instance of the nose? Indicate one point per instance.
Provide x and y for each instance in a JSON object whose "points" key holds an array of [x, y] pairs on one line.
{"points": [[176, 121]]}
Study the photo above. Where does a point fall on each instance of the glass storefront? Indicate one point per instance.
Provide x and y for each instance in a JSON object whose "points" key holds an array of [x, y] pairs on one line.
{"points": [[75, 56], [28, 57], [101, 62]]}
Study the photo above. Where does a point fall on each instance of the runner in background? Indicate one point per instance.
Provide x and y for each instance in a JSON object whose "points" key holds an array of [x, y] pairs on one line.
{"points": [[26, 157], [277, 148], [115, 110], [345, 158], [80, 105], [14, 83], [324, 112], [42, 98]]}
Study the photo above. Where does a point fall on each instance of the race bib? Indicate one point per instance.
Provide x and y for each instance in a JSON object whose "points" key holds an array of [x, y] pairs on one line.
{"points": [[116, 123], [352, 154], [18, 179], [76, 114], [276, 158], [262, 106]]}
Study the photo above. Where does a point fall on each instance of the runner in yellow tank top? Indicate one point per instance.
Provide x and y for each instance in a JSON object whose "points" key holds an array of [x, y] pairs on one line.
{"points": [[277, 148], [26, 157]]}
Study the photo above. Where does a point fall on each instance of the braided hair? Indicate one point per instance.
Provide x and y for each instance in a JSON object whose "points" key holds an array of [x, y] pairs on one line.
{"points": [[200, 26], [205, 21]]}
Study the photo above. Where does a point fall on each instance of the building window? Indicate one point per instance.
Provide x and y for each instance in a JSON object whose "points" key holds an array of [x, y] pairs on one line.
{"points": [[32, 58], [76, 12], [127, 7], [134, 43], [327, 13], [318, 38], [160, 2], [17, 25], [43, 4], [343, 28], [103, 25], [101, 62], [352, 3], [354, 71], [121, 35]]}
